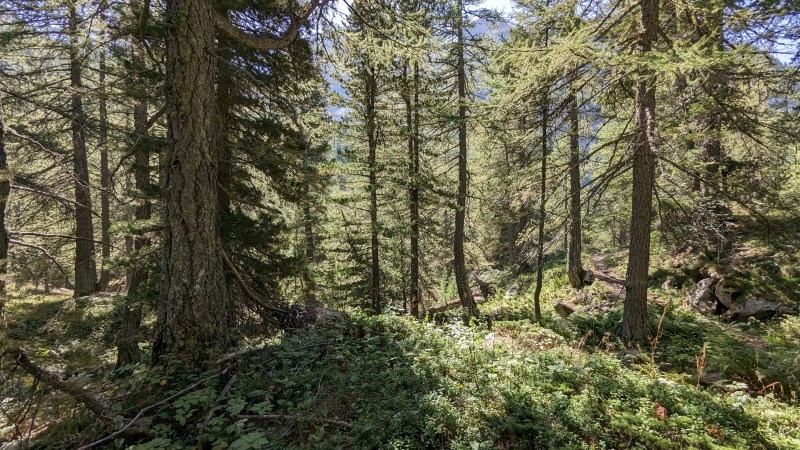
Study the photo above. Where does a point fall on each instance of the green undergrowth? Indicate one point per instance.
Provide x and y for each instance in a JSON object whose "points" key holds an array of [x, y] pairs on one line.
{"points": [[392, 382], [359, 381]]}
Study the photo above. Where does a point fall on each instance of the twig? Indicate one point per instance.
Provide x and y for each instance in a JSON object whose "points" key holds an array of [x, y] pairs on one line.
{"points": [[47, 254], [148, 408], [281, 417], [247, 290], [217, 406]]}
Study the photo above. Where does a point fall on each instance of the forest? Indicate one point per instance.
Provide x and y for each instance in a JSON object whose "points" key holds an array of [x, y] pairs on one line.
{"points": [[400, 224]]}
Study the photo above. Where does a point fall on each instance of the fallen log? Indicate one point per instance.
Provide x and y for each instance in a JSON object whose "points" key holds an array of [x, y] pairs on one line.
{"points": [[49, 378], [452, 305]]}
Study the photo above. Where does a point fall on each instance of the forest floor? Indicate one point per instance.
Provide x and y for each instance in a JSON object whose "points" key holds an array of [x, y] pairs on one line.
{"points": [[359, 381]]}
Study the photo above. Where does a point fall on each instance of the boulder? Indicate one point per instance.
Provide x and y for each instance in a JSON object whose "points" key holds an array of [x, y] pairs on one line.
{"points": [[757, 308], [668, 284], [564, 309], [511, 291], [701, 296], [726, 293]]}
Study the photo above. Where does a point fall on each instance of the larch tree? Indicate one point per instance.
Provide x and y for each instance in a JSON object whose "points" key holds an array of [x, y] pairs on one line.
{"points": [[459, 263], [5, 189], [85, 266], [644, 140], [195, 313]]}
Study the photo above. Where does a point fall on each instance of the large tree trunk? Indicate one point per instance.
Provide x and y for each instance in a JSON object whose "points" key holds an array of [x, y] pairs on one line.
{"points": [[85, 269], [575, 270], [634, 323], [195, 314], [459, 265], [542, 199], [5, 189], [372, 144], [105, 179]]}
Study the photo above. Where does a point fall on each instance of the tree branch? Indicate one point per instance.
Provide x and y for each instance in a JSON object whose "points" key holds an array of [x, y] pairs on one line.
{"points": [[47, 254], [94, 405], [267, 41]]}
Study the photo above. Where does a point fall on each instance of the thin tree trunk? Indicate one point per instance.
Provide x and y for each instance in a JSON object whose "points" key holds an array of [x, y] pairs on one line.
{"points": [[309, 252], [372, 143], [542, 198], [127, 339], [712, 145], [634, 323], [85, 269], [575, 270], [5, 189], [412, 123], [459, 265], [105, 179], [195, 314]]}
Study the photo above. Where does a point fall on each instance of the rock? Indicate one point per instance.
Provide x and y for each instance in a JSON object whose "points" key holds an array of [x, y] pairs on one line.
{"points": [[564, 309], [757, 308], [725, 293], [668, 284], [512, 291], [700, 297], [630, 358], [588, 277], [712, 378]]}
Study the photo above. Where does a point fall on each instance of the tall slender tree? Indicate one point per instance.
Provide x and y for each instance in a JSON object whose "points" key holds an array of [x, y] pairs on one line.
{"points": [[459, 264], [575, 271], [5, 189], [85, 268], [634, 323]]}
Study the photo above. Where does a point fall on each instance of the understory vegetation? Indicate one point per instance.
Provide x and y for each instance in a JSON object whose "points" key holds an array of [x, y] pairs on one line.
{"points": [[387, 381]]}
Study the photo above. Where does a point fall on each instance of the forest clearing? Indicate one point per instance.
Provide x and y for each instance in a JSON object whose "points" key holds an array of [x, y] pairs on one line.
{"points": [[401, 224]]}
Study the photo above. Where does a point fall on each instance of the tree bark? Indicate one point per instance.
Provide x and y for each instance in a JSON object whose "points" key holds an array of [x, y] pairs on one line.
{"points": [[195, 315], [309, 253], [372, 144], [5, 189], [459, 265], [542, 198], [634, 323], [575, 270], [85, 269], [105, 180], [412, 124]]}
